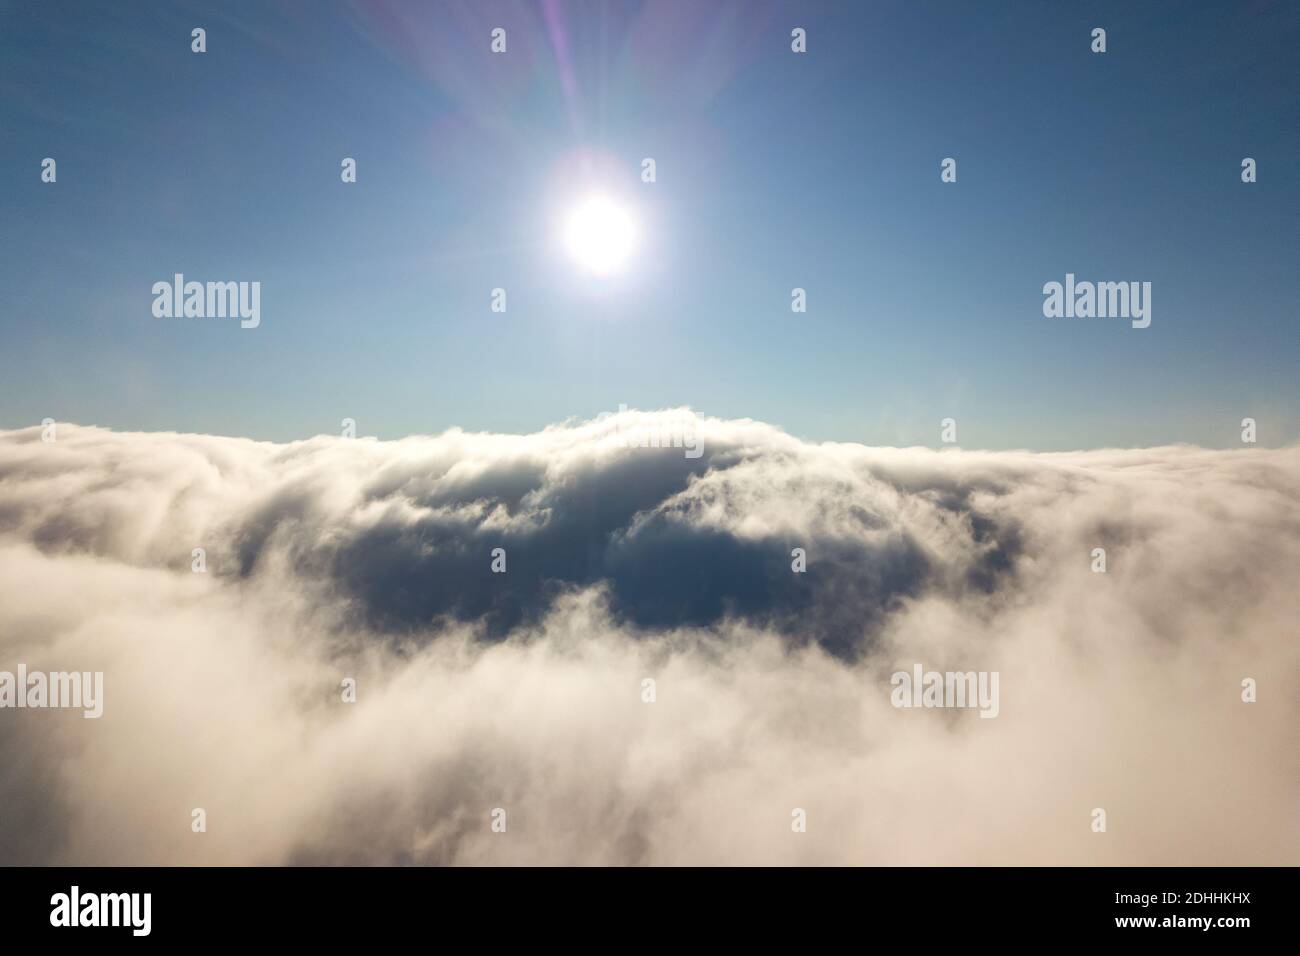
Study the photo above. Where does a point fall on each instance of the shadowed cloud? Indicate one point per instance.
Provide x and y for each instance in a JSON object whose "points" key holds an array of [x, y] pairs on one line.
{"points": [[333, 558]]}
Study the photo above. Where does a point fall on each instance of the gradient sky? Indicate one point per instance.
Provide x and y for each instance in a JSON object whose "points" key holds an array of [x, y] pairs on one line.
{"points": [[775, 170]]}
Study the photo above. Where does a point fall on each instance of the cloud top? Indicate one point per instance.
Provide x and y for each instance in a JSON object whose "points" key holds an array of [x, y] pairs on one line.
{"points": [[523, 690]]}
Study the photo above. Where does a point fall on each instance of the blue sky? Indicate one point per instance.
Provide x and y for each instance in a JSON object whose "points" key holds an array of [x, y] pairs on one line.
{"points": [[775, 170]]}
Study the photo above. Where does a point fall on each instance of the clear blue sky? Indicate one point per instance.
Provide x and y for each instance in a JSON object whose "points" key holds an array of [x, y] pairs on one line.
{"points": [[775, 170]]}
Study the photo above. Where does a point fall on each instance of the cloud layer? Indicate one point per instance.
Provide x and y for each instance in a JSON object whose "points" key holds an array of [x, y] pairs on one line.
{"points": [[522, 690]]}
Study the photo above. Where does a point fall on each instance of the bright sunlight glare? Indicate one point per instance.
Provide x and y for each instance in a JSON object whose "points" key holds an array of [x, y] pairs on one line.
{"points": [[599, 234]]}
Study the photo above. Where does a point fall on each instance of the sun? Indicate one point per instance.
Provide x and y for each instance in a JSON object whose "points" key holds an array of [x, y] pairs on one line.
{"points": [[600, 235]]}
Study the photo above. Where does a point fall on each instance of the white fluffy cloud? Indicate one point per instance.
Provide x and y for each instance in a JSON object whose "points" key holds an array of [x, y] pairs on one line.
{"points": [[332, 558]]}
